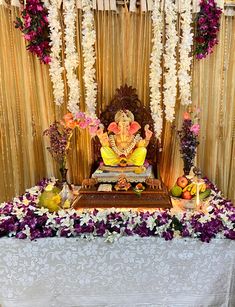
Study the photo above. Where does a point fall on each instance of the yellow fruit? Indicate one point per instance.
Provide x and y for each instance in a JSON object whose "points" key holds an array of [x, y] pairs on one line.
{"points": [[203, 188], [193, 190], [189, 187], [50, 199]]}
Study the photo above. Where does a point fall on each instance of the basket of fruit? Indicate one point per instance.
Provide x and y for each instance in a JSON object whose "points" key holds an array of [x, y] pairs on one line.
{"points": [[185, 190]]}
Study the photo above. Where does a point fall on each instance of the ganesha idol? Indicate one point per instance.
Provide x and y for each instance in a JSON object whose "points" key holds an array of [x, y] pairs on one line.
{"points": [[122, 144]]}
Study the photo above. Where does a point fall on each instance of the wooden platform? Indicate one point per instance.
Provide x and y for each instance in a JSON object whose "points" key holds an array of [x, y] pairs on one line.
{"points": [[149, 198]]}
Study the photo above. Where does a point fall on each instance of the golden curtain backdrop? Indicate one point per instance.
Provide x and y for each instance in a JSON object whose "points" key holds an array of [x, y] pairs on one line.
{"points": [[123, 50]]}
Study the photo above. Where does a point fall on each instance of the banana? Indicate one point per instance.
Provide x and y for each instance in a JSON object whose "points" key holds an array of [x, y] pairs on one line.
{"points": [[188, 187], [203, 188], [193, 190]]}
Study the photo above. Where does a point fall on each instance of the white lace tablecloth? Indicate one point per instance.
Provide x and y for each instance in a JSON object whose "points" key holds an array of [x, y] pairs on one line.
{"points": [[130, 272]]}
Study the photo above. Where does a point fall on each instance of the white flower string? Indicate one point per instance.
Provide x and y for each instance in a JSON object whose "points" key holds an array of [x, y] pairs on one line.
{"points": [[186, 55], [88, 41], [56, 69], [155, 68], [170, 89], [72, 59]]}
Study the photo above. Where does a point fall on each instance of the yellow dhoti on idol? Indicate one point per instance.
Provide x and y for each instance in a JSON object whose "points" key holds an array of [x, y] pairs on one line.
{"points": [[137, 157]]}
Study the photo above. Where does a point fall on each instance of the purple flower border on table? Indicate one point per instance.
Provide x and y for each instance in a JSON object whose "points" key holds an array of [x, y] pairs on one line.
{"points": [[21, 218]]}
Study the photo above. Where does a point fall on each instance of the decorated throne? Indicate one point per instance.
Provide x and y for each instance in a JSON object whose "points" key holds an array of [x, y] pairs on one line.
{"points": [[128, 170]]}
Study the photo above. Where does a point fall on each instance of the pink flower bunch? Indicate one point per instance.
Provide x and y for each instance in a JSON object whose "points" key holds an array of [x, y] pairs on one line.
{"points": [[207, 27], [34, 25], [82, 121]]}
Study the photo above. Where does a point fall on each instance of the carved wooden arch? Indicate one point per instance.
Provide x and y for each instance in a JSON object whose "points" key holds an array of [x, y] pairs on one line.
{"points": [[127, 99]]}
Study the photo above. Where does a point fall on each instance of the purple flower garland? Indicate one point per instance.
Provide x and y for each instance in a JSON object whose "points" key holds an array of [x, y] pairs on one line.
{"points": [[23, 219], [207, 28], [34, 25]]}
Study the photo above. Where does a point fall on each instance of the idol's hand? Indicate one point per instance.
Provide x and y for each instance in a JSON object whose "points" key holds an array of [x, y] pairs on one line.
{"points": [[100, 131], [148, 133]]}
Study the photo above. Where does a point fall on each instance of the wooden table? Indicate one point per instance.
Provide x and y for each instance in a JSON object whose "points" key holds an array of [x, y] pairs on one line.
{"points": [[149, 198]]}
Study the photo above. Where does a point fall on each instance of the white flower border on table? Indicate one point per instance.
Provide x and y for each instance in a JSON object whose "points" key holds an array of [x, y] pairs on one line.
{"points": [[88, 42], [155, 69], [23, 219], [186, 56], [55, 67], [170, 85], [72, 58]]}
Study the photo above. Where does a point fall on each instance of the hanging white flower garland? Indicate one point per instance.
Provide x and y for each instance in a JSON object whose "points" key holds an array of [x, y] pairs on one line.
{"points": [[55, 68], [185, 48], [72, 59], [155, 68], [170, 60], [88, 41]]}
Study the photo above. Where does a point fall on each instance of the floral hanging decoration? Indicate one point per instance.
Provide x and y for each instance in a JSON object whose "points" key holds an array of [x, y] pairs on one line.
{"points": [[185, 54], [56, 68], [207, 28], [170, 89], [72, 58], [88, 42], [34, 25], [155, 69]]}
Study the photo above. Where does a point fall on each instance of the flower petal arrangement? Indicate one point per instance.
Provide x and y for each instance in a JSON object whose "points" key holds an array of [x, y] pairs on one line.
{"points": [[23, 218], [34, 25], [207, 28]]}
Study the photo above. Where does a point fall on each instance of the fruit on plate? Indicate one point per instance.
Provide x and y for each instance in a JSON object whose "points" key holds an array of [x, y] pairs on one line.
{"points": [[192, 187], [186, 195], [182, 182], [176, 191]]}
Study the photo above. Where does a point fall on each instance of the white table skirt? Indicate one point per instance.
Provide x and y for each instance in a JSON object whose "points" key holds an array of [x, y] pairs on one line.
{"points": [[130, 272]]}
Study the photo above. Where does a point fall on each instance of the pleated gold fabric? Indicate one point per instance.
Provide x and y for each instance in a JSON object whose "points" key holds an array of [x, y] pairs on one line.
{"points": [[123, 50]]}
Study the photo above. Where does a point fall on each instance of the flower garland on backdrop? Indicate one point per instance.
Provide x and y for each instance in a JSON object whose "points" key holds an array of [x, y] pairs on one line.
{"points": [[24, 218], [170, 89], [155, 68], [56, 68], [186, 56], [33, 23], [207, 28], [72, 58], [88, 42]]}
